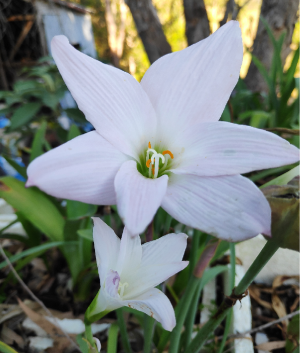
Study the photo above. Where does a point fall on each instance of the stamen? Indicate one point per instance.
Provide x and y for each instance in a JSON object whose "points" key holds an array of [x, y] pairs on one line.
{"points": [[153, 162], [169, 153], [122, 287]]}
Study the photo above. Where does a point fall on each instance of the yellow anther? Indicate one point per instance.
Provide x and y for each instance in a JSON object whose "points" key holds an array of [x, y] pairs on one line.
{"points": [[148, 163], [149, 144], [169, 153]]}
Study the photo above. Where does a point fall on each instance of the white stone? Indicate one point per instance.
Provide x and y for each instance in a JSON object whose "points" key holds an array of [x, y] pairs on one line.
{"points": [[76, 326], [241, 316], [260, 338], [32, 326], [284, 261], [40, 343]]}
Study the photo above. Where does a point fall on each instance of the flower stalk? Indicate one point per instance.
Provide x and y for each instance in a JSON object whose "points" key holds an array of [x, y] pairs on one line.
{"points": [[261, 260]]}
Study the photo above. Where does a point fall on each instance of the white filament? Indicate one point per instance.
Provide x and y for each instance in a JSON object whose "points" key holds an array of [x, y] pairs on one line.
{"points": [[154, 161]]}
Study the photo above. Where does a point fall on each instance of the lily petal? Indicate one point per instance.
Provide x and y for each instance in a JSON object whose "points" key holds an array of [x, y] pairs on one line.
{"points": [[130, 255], [228, 207], [111, 99], [167, 249], [222, 148], [147, 277], [107, 248], [138, 198], [194, 84], [155, 304], [82, 169]]}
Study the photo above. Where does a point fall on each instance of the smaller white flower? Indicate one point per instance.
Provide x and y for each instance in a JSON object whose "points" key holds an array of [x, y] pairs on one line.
{"points": [[129, 272]]}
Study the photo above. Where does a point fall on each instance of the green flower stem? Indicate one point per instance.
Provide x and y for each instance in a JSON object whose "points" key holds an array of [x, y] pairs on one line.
{"points": [[232, 284], [261, 260], [191, 315], [148, 333], [123, 331], [194, 251], [226, 330], [183, 308], [89, 338], [263, 257], [113, 338]]}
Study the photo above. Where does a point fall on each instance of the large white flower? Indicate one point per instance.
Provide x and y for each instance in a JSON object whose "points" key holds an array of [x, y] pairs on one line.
{"points": [[159, 143], [129, 272]]}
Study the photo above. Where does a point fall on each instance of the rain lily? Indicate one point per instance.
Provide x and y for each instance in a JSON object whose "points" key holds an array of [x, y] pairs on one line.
{"points": [[159, 142], [129, 272]]}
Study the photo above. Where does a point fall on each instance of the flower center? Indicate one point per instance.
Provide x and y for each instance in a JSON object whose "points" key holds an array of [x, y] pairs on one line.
{"points": [[121, 288], [153, 160], [114, 287]]}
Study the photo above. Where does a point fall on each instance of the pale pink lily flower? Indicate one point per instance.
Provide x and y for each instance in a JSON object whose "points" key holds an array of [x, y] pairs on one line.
{"points": [[129, 272], [159, 142]]}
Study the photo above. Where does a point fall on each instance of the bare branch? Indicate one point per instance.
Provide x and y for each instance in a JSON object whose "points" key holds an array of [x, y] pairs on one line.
{"points": [[197, 25]]}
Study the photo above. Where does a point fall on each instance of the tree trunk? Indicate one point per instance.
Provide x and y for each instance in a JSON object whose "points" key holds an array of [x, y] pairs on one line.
{"points": [[149, 28], [116, 33], [231, 12], [281, 16], [197, 25]]}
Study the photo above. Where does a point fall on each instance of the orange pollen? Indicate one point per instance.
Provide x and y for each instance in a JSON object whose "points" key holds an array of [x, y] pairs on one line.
{"points": [[149, 144], [169, 153], [148, 163], [153, 169]]}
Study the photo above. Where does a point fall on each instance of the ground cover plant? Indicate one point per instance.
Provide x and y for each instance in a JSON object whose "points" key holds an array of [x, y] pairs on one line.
{"points": [[176, 203]]}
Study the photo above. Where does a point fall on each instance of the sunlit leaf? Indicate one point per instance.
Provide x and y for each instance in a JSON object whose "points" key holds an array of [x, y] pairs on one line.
{"points": [[34, 205]]}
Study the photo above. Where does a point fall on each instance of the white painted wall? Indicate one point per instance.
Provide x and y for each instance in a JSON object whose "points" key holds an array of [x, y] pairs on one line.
{"points": [[77, 27]]}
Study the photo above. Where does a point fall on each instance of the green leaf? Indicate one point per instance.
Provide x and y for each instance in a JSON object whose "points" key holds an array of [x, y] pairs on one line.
{"points": [[22, 85], [77, 210], [86, 234], [73, 132], [33, 205], [34, 250], [38, 142], [293, 335], [76, 115], [84, 347], [21, 170], [23, 115], [72, 252], [4, 348], [284, 178]]}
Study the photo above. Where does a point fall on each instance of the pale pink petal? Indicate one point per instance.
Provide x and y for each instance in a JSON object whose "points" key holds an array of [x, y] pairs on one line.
{"points": [[138, 198], [193, 85], [82, 169], [152, 275], [111, 99], [167, 249], [221, 148], [228, 207], [112, 283], [130, 255], [155, 304], [107, 248]]}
